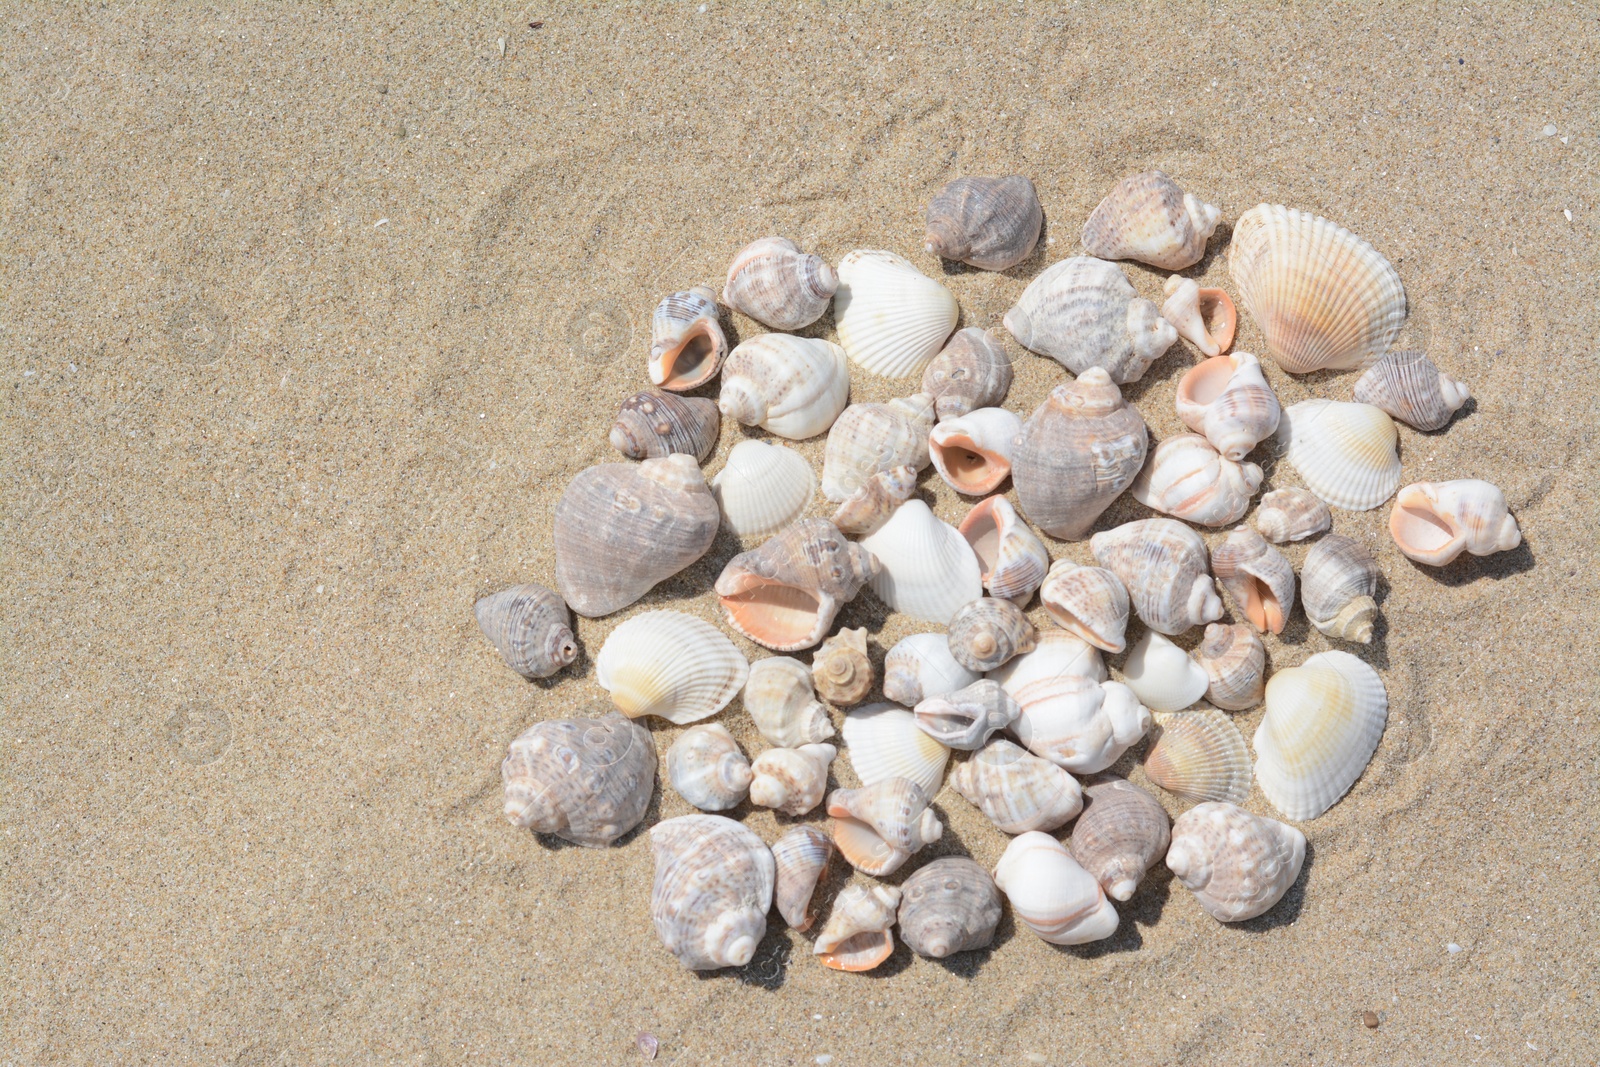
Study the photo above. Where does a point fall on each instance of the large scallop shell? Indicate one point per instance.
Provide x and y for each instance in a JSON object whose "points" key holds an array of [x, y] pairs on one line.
{"points": [[708, 769], [883, 741], [779, 698], [530, 628], [1017, 790], [778, 285], [1338, 581], [791, 780], [1011, 560], [1235, 663], [1148, 217], [763, 488], [586, 780], [791, 386], [1162, 564], [892, 319], [1051, 894], [1434, 522], [671, 665], [896, 809], [1084, 313], [1256, 577], [1292, 514], [972, 371], [990, 223], [965, 719], [1345, 452], [651, 424], [1324, 720], [949, 906], [785, 594], [857, 934], [871, 438], [712, 890], [1410, 388], [841, 669], [1202, 316], [972, 452], [1162, 675], [686, 340], [1200, 755], [1236, 864], [1122, 832], [987, 632], [1227, 398], [802, 855], [1087, 602], [869, 507], [920, 667], [926, 568], [1187, 477]]}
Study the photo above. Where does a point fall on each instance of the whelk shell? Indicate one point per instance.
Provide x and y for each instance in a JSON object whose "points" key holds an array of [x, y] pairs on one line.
{"points": [[1051, 894], [791, 780], [1087, 602], [965, 719], [857, 934], [778, 285], [1162, 675], [778, 697], [530, 628], [864, 849], [1409, 387], [785, 594], [972, 371], [884, 741], [990, 223], [972, 452], [686, 340], [1187, 477], [1122, 832], [1017, 790], [949, 906], [896, 809], [1200, 755], [1011, 560], [921, 666], [651, 424], [1074, 721], [1338, 581], [1434, 522], [1235, 663], [1236, 864], [671, 665], [791, 386], [892, 319], [802, 855], [586, 780], [841, 669], [1345, 452], [869, 507], [1324, 720], [1084, 313], [1202, 316], [1228, 399], [1148, 217], [707, 768], [712, 890], [926, 569], [763, 488], [1256, 577], [871, 438], [1292, 514], [988, 632], [1162, 564]]}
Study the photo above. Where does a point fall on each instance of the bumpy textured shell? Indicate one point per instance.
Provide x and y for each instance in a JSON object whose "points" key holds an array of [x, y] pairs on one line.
{"points": [[1338, 581], [972, 453], [926, 568], [712, 890], [992, 223], [1087, 602], [620, 528], [1235, 663], [986, 633], [778, 697], [896, 809], [921, 666], [1236, 864], [707, 768], [949, 906], [791, 386], [1292, 514], [763, 488], [1200, 755], [778, 285], [972, 371], [1228, 399], [1188, 478], [1434, 522], [653, 424], [1078, 451], [1122, 832], [870, 438], [1148, 217], [1345, 452], [841, 669], [1017, 790], [1204, 317], [857, 934], [802, 855], [785, 594], [1324, 720], [1409, 387], [884, 741], [586, 780], [1162, 675], [1084, 313], [870, 506], [1256, 577], [670, 665], [791, 780], [530, 628], [892, 319], [1051, 894], [687, 345], [965, 718], [1162, 564], [1011, 560]]}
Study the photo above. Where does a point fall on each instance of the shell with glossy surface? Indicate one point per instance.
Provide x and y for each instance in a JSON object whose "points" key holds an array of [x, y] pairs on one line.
{"points": [[1087, 602], [791, 780], [1410, 388], [1227, 399], [920, 667], [1051, 894], [1017, 790], [530, 628], [762, 488], [989, 223], [778, 285], [785, 594], [791, 386], [1338, 582], [1324, 720], [651, 424], [972, 453], [671, 665], [778, 697], [965, 718], [1078, 723], [1162, 675], [841, 669], [1257, 578], [1084, 313], [1148, 217], [871, 438], [1292, 514], [1202, 316], [896, 809], [1235, 662], [708, 769], [869, 507], [883, 741], [857, 934], [1345, 452], [588, 781], [1434, 522], [712, 890], [1236, 864], [1200, 755], [1162, 564], [1011, 560], [802, 855], [892, 319], [972, 371], [1188, 478], [687, 345], [1121, 834], [926, 569], [988, 632], [949, 906]]}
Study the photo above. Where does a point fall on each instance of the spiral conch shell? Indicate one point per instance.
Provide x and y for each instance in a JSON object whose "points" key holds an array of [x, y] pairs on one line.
{"points": [[1122, 832], [1235, 663], [586, 780], [1256, 577], [778, 285], [878, 827], [857, 934], [949, 906], [972, 371], [1084, 313], [1434, 522], [1410, 388], [530, 628], [651, 424], [965, 718], [707, 768], [870, 438], [621, 528], [802, 855], [1324, 720], [1236, 864], [1070, 715], [1187, 477], [990, 223], [671, 665], [1051, 894], [1162, 675], [779, 698], [791, 386], [1227, 398], [919, 667], [1017, 790], [1204, 317], [1148, 217], [972, 452], [1199, 754], [892, 319], [1162, 564], [1011, 560], [1292, 514], [926, 569], [686, 340], [1345, 452], [1087, 602], [869, 507], [763, 488], [1338, 581], [712, 889], [791, 780], [841, 669], [1078, 451], [988, 632], [785, 594]]}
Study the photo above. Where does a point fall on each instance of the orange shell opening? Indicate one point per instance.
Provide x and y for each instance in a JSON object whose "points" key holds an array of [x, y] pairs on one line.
{"points": [[972, 470], [1204, 382], [1219, 315], [982, 531], [1263, 609], [694, 361], [860, 952], [1417, 529], [781, 617]]}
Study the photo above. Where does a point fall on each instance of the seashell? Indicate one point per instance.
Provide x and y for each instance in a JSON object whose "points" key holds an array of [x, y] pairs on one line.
{"points": [[1324, 720], [884, 742], [1070, 714], [778, 285], [920, 667], [1122, 832], [778, 697], [1235, 663], [1410, 388], [1162, 675], [1200, 755], [892, 319], [1229, 401], [965, 718], [989, 223], [1017, 790], [896, 809], [972, 371], [1084, 313], [972, 452], [791, 386], [1256, 577], [1051, 894], [530, 628], [1187, 477], [988, 632], [651, 424], [1055, 653], [1087, 602], [1011, 560], [620, 528], [1434, 522], [1162, 564], [1337, 583], [871, 438], [1324, 298], [763, 488], [841, 669], [1080, 449], [857, 935], [1236, 864], [949, 906], [1292, 514], [1204, 317], [926, 569], [791, 780], [712, 890], [802, 855], [785, 594], [869, 507], [1345, 452], [1149, 218], [588, 781], [686, 341], [865, 850], [707, 768], [671, 665]]}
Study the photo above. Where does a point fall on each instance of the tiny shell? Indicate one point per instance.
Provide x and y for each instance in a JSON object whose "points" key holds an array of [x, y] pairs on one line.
{"points": [[1200, 755], [530, 628], [926, 568], [1337, 583], [892, 319], [949, 906], [1088, 602], [1084, 313], [841, 668], [1235, 663], [763, 488], [1229, 401], [652, 424], [870, 506], [1017, 790], [1011, 560], [972, 371], [672, 665], [778, 697], [1162, 675], [987, 632], [1324, 720], [1236, 864], [857, 934], [778, 285], [965, 719], [1162, 564], [921, 666], [785, 594], [1122, 832], [707, 768], [1410, 388], [1292, 514], [972, 452], [1434, 522], [1345, 452], [871, 438], [1188, 478], [791, 780], [586, 780], [1051, 894], [1204, 317], [686, 340], [1148, 217], [896, 809], [802, 855], [712, 890], [883, 741], [791, 386], [1256, 577], [990, 223]]}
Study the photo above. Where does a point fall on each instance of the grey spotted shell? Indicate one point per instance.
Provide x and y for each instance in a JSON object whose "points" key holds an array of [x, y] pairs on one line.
{"points": [[1123, 831], [991, 223], [972, 371], [949, 906], [1078, 451], [530, 627], [651, 424], [586, 780]]}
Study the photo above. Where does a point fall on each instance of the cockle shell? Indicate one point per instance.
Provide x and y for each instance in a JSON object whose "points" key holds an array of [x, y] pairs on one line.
{"points": [[871, 438], [1162, 564], [1074, 721], [1324, 298], [671, 665], [965, 718], [1410, 388], [1229, 401], [791, 386], [841, 669], [1017, 790], [1088, 602], [857, 934], [1256, 577], [620, 528], [990, 223], [949, 906], [870, 506], [763, 488], [1434, 522], [708, 769], [1345, 452], [778, 697], [802, 855], [1011, 560], [1200, 755], [712, 890], [785, 594], [778, 285], [530, 628], [972, 452], [1162, 675], [1324, 720], [926, 569], [1292, 514], [686, 340], [884, 741], [892, 319], [921, 666], [652, 424], [1204, 317], [1051, 894], [791, 780], [1236, 864], [1078, 451], [987, 632], [896, 809], [1122, 832], [1187, 477], [1148, 217], [1235, 663], [586, 780], [1337, 583], [972, 371], [1084, 313]]}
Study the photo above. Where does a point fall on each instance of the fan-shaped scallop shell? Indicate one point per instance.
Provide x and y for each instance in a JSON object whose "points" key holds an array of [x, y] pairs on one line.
{"points": [[841, 669], [586, 780], [530, 628], [919, 667], [785, 594], [1434, 522], [778, 285], [926, 568], [1200, 755], [802, 855], [1011, 560], [949, 906], [987, 632], [791, 386], [763, 488], [1227, 399], [1236, 864], [1188, 478], [857, 934], [1051, 894], [1148, 217], [712, 890], [1087, 602], [1162, 564], [1122, 832], [1204, 317], [779, 698], [972, 371], [671, 665], [651, 424], [791, 780], [1345, 452], [1256, 577], [883, 741], [870, 506], [972, 452], [1162, 675], [707, 767], [687, 345], [1338, 581], [1324, 720], [1235, 663], [1017, 790], [871, 438], [965, 718], [1084, 313], [1292, 514], [892, 319], [990, 223], [1410, 388]]}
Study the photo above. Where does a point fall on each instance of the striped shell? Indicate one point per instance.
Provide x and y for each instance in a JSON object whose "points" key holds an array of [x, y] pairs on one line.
{"points": [[990, 223], [778, 285], [1148, 217], [687, 345], [1410, 388], [1345, 452], [892, 319], [1200, 755], [652, 423]]}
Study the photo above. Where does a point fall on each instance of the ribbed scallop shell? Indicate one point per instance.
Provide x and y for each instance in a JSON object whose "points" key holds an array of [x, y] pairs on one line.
{"points": [[1338, 581], [671, 665], [802, 855], [990, 223], [791, 780], [1204, 317], [1162, 675], [708, 769], [1122, 832], [1345, 452], [871, 438], [1200, 755], [530, 627], [1236, 864], [712, 890], [870, 506], [687, 345], [892, 319], [965, 718], [651, 424], [785, 594], [1256, 577], [972, 452], [779, 698], [586, 780], [1324, 298], [949, 906], [926, 568], [1235, 663], [919, 667], [1011, 560], [1017, 790], [1084, 313], [883, 741], [1078, 451], [763, 488], [896, 809], [791, 386], [1229, 401], [857, 934], [987, 632], [841, 669], [1088, 602], [972, 371], [1051, 894], [1410, 388], [1188, 478], [1148, 217], [1434, 522], [778, 285], [1162, 564], [1324, 720], [1292, 514]]}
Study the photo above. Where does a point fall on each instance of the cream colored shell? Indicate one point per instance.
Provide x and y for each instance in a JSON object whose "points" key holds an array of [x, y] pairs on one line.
{"points": [[1324, 720], [1148, 217], [841, 668], [802, 855], [1162, 675], [1345, 452], [778, 285], [779, 698], [1292, 514], [791, 386], [1256, 577], [1186, 477], [1434, 522], [1235, 662], [1084, 314], [707, 767], [1236, 864], [1199, 754], [687, 345], [1011, 559], [671, 665], [892, 319], [1087, 602], [762, 488], [791, 780], [871, 438], [712, 890], [1017, 790], [883, 741], [926, 569], [1051, 894], [1227, 399], [919, 667]]}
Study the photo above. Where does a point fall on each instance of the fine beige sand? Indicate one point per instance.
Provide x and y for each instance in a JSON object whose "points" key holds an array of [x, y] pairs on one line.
{"points": [[309, 316]]}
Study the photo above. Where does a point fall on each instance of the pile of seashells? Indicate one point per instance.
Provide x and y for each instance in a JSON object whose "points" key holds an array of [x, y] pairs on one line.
{"points": [[1323, 298]]}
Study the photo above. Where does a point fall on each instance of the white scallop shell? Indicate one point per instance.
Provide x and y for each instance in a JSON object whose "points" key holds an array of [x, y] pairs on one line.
{"points": [[972, 453], [926, 568], [791, 386], [1186, 477], [672, 665], [1434, 522], [1344, 451], [920, 667], [1324, 720], [1051, 894], [884, 741], [763, 488], [892, 319], [1163, 675]]}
